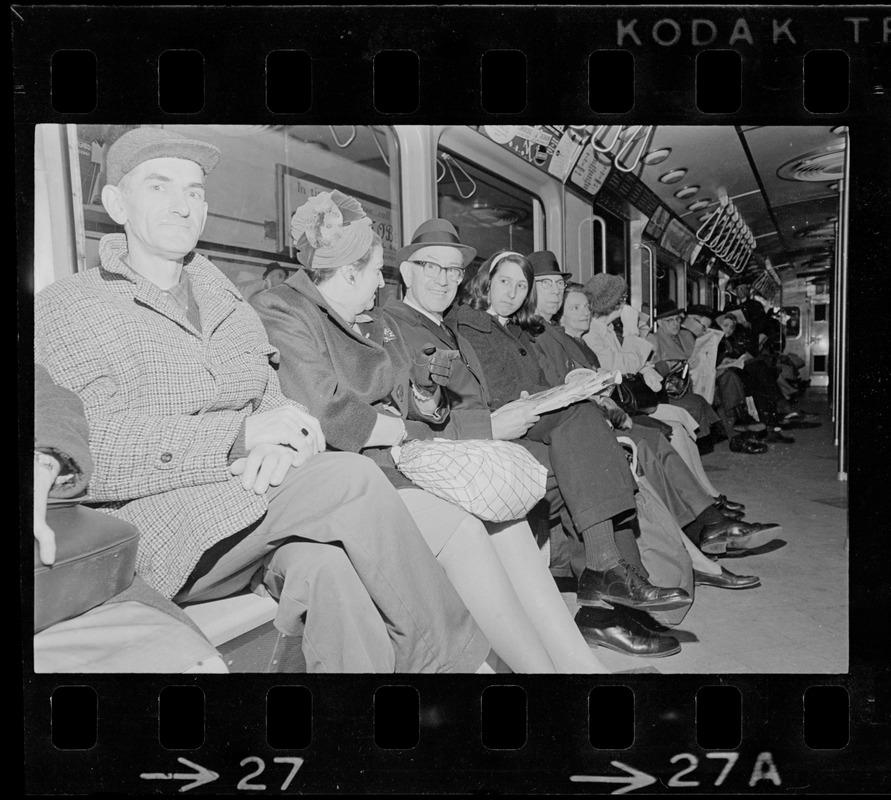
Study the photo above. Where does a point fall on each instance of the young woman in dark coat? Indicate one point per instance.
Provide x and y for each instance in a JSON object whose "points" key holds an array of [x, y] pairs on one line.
{"points": [[591, 468]]}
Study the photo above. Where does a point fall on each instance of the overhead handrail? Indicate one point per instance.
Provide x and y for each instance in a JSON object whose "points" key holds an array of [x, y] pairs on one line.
{"points": [[711, 219], [451, 164], [380, 149], [337, 141], [440, 165], [639, 132], [718, 236], [605, 148]]}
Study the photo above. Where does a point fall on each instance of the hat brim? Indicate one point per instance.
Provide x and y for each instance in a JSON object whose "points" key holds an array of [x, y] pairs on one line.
{"points": [[563, 275], [674, 313], [468, 253]]}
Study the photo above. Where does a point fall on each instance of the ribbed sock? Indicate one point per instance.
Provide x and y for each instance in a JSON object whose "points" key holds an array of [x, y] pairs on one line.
{"points": [[626, 543], [601, 552]]}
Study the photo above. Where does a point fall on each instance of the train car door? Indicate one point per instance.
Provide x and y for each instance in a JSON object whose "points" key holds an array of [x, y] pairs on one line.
{"points": [[818, 339]]}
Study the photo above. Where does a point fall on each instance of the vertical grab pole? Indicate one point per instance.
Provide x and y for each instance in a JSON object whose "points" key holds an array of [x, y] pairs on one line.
{"points": [[652, 275], [842, 301]]}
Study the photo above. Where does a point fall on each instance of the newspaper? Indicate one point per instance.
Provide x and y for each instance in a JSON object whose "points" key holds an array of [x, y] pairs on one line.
{"points": [[702, 363], [580, 384]]}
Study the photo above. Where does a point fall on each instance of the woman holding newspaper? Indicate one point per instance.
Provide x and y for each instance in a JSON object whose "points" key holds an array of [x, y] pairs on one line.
{"points": [[590, 467]]}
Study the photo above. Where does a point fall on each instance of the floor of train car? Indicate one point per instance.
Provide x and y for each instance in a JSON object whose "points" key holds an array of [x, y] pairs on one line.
{"points": [[797, 620]]}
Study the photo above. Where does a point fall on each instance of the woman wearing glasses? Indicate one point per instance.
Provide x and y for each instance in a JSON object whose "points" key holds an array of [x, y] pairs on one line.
{"points": [[353, 373]]}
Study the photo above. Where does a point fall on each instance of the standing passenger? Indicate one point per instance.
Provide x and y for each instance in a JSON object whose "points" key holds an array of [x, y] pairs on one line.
{"points": [[197, 447]]}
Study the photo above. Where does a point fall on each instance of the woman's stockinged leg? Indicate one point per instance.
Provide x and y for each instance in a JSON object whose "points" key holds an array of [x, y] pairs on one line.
{"points": [[472, 563], [544, 606], [464, 550]]}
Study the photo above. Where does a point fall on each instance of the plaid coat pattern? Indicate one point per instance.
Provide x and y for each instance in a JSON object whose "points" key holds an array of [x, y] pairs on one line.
{"points": [[165, 402]]}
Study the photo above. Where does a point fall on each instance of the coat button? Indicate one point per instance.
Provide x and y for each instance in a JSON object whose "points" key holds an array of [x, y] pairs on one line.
{"points": [[166, 458], [522, 351], [399, 392]]}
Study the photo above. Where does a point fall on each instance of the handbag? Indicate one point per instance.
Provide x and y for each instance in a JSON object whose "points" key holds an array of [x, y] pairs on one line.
{"points": [[494, 480], [633, 395], [676, 382], [95, 560]]}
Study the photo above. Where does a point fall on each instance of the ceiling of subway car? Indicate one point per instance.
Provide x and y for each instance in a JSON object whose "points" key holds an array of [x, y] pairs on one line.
{"points": [[784, 181]]}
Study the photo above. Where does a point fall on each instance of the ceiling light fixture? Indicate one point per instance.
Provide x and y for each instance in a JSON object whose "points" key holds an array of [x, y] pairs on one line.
{"points": [[699, 204], [687, 191], [673, 176], [656, 156]]}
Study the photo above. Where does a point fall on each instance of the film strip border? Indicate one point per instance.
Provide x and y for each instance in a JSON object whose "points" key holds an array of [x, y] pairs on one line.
{"points": [[420, 735], [424, 64]]}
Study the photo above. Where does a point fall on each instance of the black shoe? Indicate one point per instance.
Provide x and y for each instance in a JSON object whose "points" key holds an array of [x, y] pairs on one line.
{"points": [[741, 444], [732, 535], [565, 583], [775, 435], [726, 580], [755, 436], [724, 504], [624, 635], [728, 514], [622, 585]]}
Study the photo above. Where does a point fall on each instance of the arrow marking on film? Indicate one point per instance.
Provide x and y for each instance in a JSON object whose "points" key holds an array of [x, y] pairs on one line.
{"points": [[201, 775], [634, 780]]}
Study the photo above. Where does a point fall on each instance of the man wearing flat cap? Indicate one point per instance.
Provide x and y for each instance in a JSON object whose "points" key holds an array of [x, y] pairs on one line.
{"points": [[195, 444]]}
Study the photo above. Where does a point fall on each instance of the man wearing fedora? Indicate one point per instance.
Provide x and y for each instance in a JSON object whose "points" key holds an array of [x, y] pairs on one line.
{"points": [[196, 445], [432, 269]]}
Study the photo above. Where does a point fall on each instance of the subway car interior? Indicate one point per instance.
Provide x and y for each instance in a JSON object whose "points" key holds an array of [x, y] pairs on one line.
{"points": [[702, 223]]}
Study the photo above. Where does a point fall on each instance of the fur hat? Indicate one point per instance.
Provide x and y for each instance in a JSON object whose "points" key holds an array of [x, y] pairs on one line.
{"points": [[605, 292]]}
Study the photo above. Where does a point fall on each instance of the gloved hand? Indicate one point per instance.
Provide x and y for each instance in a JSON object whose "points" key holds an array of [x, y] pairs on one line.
{"points": [[615, 415], [652, 378], [630, 318], [432, 367]]}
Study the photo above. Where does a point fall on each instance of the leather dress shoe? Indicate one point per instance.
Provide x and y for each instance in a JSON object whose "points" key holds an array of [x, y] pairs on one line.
{"points": [[726, 580], [625, 635], [719, 537], [755, 435], [776, 435], [623, 585], [740, 444], [726, 512], [724, 504]]}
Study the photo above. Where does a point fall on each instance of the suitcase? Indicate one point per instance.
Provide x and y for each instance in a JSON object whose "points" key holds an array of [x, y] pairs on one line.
{"points": [[95, 560]]}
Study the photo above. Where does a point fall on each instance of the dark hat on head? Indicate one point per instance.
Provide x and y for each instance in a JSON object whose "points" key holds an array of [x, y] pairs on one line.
{"points": [[274, 265], [667, 309], [142, 144], [544, 264], [701, 311], [605, 291], [432, 233]]}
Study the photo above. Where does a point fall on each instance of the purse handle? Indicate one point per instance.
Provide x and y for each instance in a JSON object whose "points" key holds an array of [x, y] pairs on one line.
{"points": [[630, 445]]}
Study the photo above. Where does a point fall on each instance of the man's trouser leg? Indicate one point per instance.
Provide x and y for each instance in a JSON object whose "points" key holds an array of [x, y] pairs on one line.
{"points": [[343, 499], [591, 468], [669, 476]]}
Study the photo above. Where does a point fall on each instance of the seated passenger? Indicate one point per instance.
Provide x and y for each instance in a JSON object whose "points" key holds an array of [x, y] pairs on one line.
{"points": [[196, 445], [369, 397], [730, 393], [691, 505], [590, 467], [136, 630], [435, 250], [669, 348], [738, 352], [560, 350]]}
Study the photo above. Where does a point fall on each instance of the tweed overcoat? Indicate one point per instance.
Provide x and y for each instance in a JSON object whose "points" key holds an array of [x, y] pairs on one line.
{"points": [[165, 402]]}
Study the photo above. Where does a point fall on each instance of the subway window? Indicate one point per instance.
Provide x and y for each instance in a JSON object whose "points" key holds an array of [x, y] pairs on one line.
{"points": [[266, 172], [489, 213]]}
